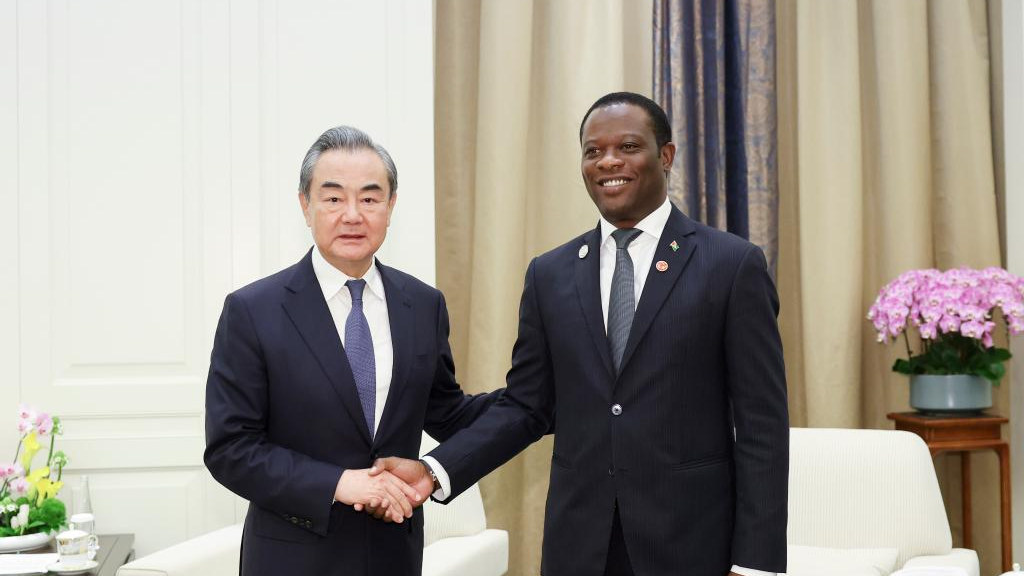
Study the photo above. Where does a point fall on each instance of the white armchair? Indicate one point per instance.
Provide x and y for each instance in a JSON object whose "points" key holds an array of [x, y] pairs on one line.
{"points": [[869, 490], [456, 542]]}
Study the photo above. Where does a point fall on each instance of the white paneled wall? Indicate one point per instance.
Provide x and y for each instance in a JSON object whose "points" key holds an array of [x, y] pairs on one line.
{"points": [[149, 156]]}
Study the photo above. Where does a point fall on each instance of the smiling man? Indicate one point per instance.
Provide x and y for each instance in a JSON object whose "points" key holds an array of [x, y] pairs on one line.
{"points": [[650, 345], [320, 368]]}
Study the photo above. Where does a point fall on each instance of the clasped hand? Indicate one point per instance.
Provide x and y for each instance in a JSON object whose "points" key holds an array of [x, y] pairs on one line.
{"points": [[405, 484], [383, 494]]}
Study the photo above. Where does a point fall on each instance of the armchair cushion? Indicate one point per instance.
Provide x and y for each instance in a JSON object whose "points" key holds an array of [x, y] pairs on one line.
{"points": [[945, 564], [815, 561], [483, 554], [865, 489]]}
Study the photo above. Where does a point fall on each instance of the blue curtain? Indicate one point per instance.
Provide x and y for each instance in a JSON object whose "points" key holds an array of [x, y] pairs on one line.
{"points": [[714, 73]]}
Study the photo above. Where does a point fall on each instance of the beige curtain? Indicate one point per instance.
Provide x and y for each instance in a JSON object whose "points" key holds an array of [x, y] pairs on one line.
{"points": [[513, 80], [886, 164]]}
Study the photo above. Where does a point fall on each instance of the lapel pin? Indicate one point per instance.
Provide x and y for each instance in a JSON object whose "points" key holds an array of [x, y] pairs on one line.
{"points": [[661, 265], [674, 246], [584, 250]]}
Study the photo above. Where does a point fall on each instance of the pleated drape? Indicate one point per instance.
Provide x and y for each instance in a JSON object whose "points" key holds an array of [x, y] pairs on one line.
{"points": [[885, 165], [513, 80], [714, 74]]}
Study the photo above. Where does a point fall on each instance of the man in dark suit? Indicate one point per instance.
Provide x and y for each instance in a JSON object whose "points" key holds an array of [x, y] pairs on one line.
{"points": [[323, 366], [650, 347]]}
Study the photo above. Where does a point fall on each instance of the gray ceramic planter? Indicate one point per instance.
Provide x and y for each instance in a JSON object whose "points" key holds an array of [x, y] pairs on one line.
{"points": [[953, 393]]}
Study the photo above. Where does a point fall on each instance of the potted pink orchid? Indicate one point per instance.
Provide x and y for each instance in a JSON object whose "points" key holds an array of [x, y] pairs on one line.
{"points": [[30, 512], [952, 313]]}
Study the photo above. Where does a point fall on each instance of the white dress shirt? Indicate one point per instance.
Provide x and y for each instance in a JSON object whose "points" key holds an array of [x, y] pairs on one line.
{"points": [[641, 252], [375, 308]]}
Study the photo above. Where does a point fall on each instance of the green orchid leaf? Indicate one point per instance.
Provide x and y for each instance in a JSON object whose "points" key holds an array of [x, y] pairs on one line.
{"points": [[997, 370], [999, 354], [903, 366]]}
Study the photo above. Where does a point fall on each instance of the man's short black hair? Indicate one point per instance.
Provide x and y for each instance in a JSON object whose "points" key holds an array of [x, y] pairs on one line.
{"points": [[659, 120]]}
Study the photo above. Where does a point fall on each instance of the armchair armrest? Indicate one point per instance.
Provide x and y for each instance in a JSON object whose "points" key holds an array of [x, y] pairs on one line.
{"points": [[212, 554]]}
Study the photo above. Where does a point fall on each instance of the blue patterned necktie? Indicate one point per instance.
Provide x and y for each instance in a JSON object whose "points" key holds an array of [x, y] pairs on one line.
{"points": [[359, 349], [622, 300]]}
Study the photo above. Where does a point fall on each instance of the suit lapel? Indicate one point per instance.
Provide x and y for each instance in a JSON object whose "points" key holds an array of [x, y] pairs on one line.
{"points": [[308, 310], [588, 287], [402, 322], [659, 284]]}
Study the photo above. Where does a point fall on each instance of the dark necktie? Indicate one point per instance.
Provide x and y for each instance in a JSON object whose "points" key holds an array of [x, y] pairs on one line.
{"points": [[359, 349], [622, 299]]}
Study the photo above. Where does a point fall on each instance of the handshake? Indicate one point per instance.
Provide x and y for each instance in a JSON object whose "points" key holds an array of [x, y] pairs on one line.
{"points": [[389, 490]]}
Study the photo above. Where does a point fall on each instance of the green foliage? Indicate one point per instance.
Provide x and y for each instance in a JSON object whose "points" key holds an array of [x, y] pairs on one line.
{"points": [[955, 354], [50, 515]]}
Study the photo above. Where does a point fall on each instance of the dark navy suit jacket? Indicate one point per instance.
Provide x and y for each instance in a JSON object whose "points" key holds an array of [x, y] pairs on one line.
{"points": [[283, 420], [703, 355]]}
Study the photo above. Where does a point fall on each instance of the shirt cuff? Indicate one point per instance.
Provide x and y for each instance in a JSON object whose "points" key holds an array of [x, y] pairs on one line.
{"points": [[751, 571], [445, 490]]}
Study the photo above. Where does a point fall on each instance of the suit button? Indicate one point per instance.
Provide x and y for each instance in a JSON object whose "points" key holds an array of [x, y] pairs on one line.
{"points": [[294, 520], [616, 409], [309, 524], [611, 471]]}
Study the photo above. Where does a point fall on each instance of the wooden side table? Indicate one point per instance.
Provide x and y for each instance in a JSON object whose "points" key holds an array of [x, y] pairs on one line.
{"points": [[966, 434], [115, 551]]}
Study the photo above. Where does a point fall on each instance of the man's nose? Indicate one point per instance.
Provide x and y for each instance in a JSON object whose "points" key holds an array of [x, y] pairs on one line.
{"points": [[351, 215], [609, 161]]}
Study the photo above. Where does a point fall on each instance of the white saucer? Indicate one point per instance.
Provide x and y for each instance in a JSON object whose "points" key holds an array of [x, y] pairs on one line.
{"points": [[77, 569]]}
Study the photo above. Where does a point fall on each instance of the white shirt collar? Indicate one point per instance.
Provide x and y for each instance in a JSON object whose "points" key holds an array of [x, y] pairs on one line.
{"points": [[333, 280], [653, 223]]}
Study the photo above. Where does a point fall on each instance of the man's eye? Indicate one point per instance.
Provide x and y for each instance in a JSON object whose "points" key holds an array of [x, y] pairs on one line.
{"points": [[590, 152], [333, 200], [369, 200], [629, 146]]}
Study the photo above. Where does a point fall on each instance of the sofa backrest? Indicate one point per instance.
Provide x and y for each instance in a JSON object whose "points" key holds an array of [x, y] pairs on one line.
{"points": [[463, 516], [865, 489]]}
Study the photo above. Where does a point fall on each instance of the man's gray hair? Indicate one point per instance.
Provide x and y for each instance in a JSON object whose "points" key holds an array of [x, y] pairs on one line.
{"points": [[349, 139]]}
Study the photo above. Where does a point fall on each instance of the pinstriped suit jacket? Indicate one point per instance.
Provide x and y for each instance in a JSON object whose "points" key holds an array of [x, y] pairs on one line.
{"points": [[703, 355]]}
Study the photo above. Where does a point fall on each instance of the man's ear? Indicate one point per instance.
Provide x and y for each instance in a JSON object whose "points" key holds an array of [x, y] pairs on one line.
{"points": [[304, 203], [391, 205], [668, 154]]}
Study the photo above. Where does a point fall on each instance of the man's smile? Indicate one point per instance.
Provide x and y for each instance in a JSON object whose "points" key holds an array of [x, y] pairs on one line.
{"points": [[613, 182]]}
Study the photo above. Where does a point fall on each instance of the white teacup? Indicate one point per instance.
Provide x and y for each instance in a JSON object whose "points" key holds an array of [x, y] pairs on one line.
{"points": [[73, 547]]}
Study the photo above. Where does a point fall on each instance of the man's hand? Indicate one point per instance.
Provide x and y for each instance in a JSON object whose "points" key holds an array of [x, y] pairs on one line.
{"points": [[413, 472], [382, 491]]}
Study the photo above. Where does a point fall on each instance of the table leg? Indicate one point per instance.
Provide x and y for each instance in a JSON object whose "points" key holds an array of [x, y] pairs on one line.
{"points": [[965, 494], [1004, 504]]}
